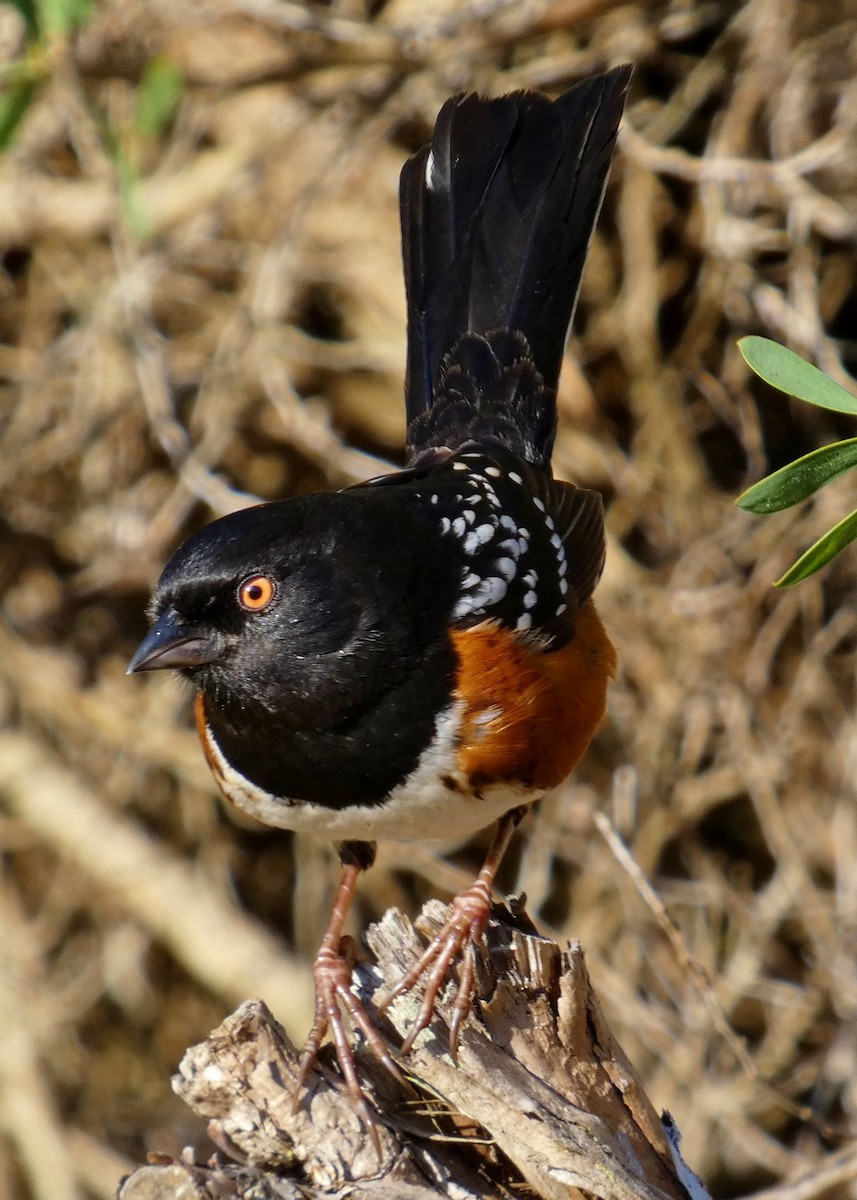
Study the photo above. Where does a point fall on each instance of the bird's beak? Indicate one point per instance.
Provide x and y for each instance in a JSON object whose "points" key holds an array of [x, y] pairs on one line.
{"points": [[175, 644]]}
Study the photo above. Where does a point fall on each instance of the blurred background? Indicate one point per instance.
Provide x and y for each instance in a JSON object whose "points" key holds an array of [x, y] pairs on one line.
{"points": [[201, 304]]}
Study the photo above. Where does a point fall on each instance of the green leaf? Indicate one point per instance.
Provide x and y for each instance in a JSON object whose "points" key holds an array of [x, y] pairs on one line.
{"points": [[27, 9], [820, 554], [14, 102], [58, 17], [799, 479], [788, 372], [158, 97], [130, 196]]}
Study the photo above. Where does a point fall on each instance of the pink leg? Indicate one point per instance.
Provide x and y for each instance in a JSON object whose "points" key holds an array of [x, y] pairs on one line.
{"points": [[463, 929], [332, 972]]}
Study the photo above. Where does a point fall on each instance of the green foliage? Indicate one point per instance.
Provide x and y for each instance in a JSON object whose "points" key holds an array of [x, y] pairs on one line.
{"points": [[15, 99], [57, 18], [45, 22], [822, 551], [27, 9], [789, 373], [158, 97], [799, 479]]}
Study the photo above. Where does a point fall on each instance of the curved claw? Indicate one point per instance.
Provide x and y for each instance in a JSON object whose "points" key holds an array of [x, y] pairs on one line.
{"points": [[333, 981], [463, 929], [332, 970], [333, 996]]}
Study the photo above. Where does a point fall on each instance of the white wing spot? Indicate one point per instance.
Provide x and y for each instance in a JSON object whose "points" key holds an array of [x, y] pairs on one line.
{"points": [[459, 466], [561, 609], [515, 477], [484, 533], [556, 541], [507, 568], [563, 586], [470, 580], [510, 547], [525, 621], [538, 504], [490, 591], [530, 599], [469, 515], [487, 592], [445, 525], [459, 527], [494, 472]]}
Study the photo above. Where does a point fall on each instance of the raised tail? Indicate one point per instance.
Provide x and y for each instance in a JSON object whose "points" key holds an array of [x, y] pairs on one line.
{"points": [[497, 214]]}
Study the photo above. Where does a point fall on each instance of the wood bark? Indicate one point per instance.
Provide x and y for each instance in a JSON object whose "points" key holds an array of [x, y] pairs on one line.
{"points": [[542, 1103]]}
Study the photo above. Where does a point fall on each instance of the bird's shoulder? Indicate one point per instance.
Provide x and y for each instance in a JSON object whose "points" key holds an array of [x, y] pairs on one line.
{"points": [[530, 548]]}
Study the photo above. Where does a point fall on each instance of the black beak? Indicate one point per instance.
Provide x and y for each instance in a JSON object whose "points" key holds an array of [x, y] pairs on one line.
{"points": [[173, 643]]}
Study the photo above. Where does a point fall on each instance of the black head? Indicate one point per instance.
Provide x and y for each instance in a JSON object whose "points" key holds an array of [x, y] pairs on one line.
{"points": [[304, 608]]}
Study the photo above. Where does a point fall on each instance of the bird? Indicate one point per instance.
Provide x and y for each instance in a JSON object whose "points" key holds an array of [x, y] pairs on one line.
{"points": [[419, 656]]}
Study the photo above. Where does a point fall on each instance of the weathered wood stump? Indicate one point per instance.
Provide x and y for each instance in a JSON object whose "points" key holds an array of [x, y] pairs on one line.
{"points": [[542, 1103]]}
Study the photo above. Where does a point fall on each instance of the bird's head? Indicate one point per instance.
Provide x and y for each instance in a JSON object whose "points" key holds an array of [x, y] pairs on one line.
{"points": [[296, 606]]}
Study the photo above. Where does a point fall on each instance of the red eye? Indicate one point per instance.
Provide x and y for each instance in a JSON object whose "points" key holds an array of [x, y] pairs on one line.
{"points": [[256, 593]]}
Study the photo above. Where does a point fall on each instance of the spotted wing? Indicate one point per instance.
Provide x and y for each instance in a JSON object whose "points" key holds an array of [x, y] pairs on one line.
{"points": [[531, 549]]}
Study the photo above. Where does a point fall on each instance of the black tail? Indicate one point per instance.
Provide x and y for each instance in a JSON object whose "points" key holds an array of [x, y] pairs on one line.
{"points": [[497, 214]]}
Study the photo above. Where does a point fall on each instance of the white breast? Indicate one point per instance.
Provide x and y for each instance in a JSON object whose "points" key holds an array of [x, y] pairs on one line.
{"points": [[434, 803]]}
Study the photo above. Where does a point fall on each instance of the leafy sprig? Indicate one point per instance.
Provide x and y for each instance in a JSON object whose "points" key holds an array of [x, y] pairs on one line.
{"points": [[45, 22], [49, 24], [789, 373]]}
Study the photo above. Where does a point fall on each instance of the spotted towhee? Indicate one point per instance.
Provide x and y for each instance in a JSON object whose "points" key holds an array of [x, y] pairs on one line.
{"points": [[419, 656]]}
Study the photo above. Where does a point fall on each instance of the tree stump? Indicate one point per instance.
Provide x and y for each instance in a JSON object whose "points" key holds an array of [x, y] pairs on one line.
{"points": [[541, 1104]]}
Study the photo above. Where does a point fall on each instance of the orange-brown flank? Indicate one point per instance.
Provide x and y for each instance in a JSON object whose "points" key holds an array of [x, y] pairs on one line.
{"points": [[530, 716]]}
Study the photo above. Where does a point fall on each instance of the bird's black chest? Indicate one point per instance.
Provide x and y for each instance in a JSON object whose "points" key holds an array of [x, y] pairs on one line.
{"points": [[333, 693], [358, 760]]}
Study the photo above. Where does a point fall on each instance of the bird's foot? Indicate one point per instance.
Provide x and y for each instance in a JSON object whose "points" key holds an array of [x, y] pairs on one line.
{"points": [[333, 997], [459, 935], [464, 927]]}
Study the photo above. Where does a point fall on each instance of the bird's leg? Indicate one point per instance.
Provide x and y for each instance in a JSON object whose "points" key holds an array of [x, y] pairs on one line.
{"points": [[463, 929], [332, 973]]}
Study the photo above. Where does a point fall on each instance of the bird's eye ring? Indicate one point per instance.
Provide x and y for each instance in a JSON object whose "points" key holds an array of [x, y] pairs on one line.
{"points": [[256, 593]]}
